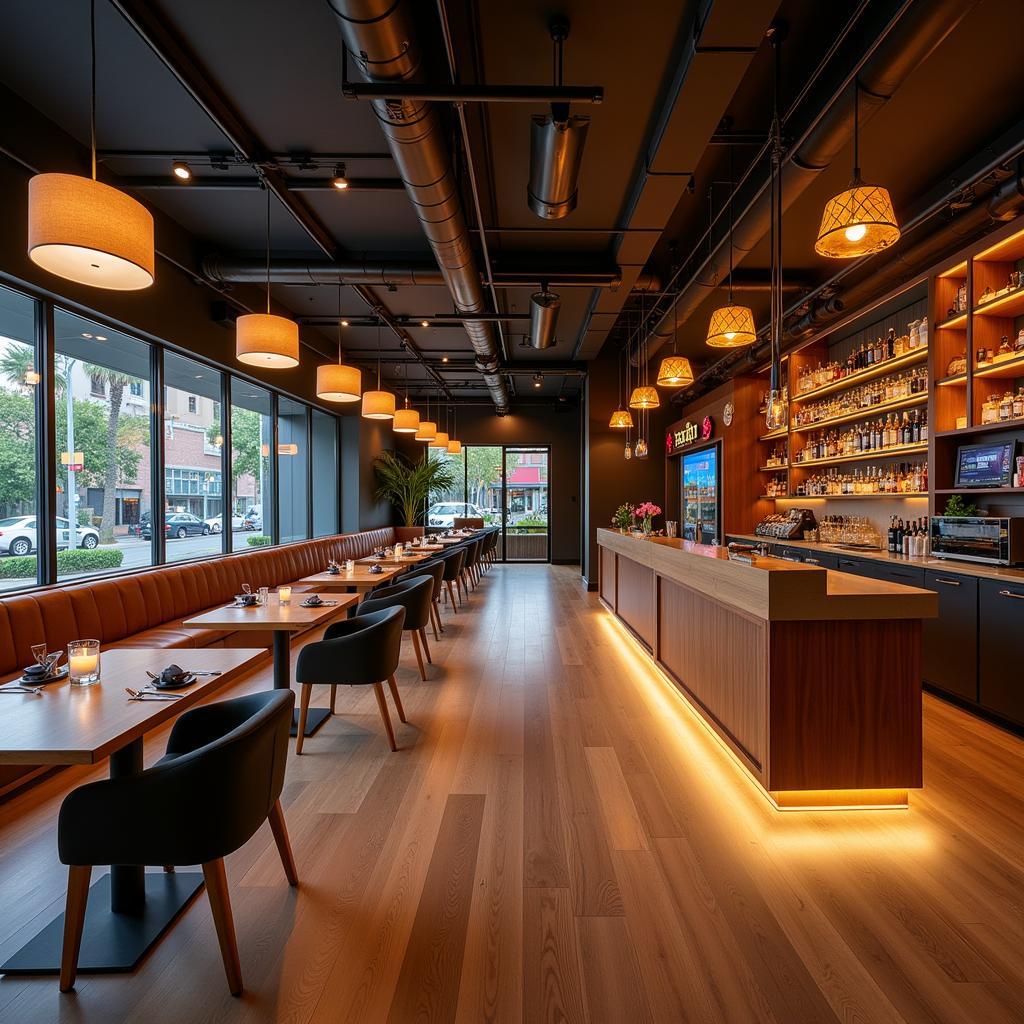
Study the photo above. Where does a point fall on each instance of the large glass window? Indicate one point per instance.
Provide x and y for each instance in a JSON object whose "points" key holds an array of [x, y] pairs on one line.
{"points": [[447, 502], [193, 453], [325, 474], [19, 391], [252, 434], [293, 467], [103, 448]]}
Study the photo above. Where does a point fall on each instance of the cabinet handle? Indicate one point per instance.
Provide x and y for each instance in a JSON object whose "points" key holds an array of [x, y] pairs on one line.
{"points": [[1010, 593], [949, 583], [812, 561]]}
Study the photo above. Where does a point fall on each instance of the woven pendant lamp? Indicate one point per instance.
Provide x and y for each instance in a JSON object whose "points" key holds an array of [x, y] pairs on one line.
{"points": [[675, 370], [644, 397]]}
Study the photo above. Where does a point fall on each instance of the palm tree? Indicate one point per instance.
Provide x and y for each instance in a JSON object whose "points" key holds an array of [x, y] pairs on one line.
{"points": [[18, 360], [407, 484]]}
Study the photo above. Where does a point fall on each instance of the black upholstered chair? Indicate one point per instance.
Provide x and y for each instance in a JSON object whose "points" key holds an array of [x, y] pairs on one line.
{"points": [[220, 779], [470, 570], [416, 596], [361, 651], [435, 570], [453, 562]]}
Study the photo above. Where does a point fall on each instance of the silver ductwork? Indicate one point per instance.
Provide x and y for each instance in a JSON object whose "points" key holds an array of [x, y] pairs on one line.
{"points": [[381, 37], [556, 152], [544, 307]]}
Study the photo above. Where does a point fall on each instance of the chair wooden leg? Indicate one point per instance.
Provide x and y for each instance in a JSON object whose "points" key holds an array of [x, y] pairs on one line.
{"points": [[307, 689], [451, 595], [284, 846], [433, 621], [398, 700], [426, 646], [79, 876], [419, 653], [220, 904], [379, 692], [334, 695]]}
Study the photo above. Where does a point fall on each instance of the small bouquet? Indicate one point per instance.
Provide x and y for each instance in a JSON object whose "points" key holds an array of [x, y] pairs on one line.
{"points": [[623, 517], [645, 512]]}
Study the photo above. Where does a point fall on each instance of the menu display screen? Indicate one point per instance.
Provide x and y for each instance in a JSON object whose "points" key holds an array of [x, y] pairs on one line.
{"points": [[984, 465], [701, 495]]}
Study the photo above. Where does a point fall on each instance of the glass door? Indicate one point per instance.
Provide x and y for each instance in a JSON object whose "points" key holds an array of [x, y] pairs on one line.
{"points": [[526, 537]]}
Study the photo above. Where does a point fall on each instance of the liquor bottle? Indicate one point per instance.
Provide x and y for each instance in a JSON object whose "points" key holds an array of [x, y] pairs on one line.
{"points": [[900, 533]]}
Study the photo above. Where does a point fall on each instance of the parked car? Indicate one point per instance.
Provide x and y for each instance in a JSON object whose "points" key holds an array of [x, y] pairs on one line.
{"points": [[215, 525], [253, 521], [179, 524], [444, 513], [18, 535]]}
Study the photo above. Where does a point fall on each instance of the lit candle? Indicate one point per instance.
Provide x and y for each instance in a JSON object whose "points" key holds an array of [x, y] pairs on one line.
{"points": [[84, 662], [284, 595]]}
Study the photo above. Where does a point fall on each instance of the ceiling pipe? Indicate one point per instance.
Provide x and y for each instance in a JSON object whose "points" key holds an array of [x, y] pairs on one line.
{"points": [[906, 45], [544, 307], [381, 37]]}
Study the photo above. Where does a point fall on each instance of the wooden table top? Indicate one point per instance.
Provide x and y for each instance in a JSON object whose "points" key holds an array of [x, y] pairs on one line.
{"points": [[406, 559], [359, 578], [273, 615], [67, 724]]}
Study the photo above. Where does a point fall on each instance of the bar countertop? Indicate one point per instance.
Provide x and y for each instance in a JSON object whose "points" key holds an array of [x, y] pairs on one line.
{"points": [[772, 588]]}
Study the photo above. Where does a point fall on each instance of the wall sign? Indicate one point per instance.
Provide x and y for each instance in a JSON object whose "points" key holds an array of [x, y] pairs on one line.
{"points": [[688, 433]]}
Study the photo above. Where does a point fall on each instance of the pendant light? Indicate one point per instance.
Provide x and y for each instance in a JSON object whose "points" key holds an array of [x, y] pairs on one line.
{"points": [[336, 382], [775, 406], [628, 452], [428, 428], [379, 404], [861, 220], [264, 339], [407, 420], [731, 326], [643, 396], [675, 370], [621, 419], [454, 446], [85, 231], [441, 438]]}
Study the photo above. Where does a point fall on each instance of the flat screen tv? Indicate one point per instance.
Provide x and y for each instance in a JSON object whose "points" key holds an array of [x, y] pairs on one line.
{"points": [[701, 493], [985, 465]]}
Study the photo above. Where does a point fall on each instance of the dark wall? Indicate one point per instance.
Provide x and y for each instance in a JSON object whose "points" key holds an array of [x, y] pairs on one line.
{"points": [[609, 479]]}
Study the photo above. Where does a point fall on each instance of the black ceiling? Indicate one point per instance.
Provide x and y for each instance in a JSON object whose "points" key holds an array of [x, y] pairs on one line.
{"points": [[279, 66]]}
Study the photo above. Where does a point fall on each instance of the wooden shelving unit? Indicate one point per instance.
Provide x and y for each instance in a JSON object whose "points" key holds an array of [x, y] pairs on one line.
{"points": [[967, 491], [851, 380], [1004, 369], [872, 456], [845, 497], [773, 469], [870, 412]]}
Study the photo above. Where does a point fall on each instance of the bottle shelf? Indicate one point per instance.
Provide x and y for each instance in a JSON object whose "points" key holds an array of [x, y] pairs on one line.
{"points": [[870, 456], [882, 369], [773, 469], [982, 428], [893, 496], [1005, 369], [772, 497], [958, 379], [979, 490], [863, 414], [1008, 304], [775, 434], [958, 322]]}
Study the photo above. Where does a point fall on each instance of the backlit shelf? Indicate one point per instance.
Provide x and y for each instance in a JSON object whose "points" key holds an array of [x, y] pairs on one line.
{"points": [[955, 380], [772, 497], [981, 428], [775, 434], [1007, 368], [860, 497], [979, 490], [773, 469], [863, 414], [957, 322], [879, 453], [882, 369], [1007, 304]]}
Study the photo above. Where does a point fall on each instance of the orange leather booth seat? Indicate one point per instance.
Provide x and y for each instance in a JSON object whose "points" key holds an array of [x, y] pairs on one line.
{"points": [[145, 608], [468, 523]]}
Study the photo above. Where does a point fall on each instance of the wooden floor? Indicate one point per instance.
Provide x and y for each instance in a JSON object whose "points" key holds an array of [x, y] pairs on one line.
{"points": [[560, 840]]}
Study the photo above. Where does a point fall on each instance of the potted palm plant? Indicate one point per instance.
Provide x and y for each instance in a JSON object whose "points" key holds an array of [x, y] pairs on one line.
{"points": [[407, 485]]}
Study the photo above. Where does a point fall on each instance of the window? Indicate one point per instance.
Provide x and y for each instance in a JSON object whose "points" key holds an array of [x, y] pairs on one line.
{"points": [[292, 467], [107, 493], [325, 474], [252, 434], [19, 393], [193, 457], [135, 389]]}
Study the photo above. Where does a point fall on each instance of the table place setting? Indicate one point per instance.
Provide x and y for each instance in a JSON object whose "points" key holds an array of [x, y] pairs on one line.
{"points": [[45, 670]]}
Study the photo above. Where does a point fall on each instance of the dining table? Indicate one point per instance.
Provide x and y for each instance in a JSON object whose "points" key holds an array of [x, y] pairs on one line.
{"points": [[357, 580], [128, 908], [410, 556], [281, 620]]}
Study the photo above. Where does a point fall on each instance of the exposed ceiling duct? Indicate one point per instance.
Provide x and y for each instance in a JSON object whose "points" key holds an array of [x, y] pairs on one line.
{"points": [[381, 37], [906, 45], [544, 307]]}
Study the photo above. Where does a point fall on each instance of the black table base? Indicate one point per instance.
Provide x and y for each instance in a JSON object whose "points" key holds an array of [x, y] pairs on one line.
{"points": [[112, 942], [315, 717]]}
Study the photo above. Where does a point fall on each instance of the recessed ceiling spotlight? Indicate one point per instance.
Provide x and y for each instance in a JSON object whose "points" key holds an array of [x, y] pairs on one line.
{"points": [[86, 334], [101, 337], [344, 323], [424, 323], [444, 359], [339, 181], [181, 170], [537, 380]]}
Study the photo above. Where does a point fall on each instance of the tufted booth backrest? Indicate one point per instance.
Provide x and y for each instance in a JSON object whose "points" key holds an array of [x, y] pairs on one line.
{"points": [[110, 610]]}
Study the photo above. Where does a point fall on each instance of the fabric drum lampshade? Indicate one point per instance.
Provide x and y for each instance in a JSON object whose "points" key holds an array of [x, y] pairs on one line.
{"points": [[378, 405], [440, 440], [87, 232], [427, 431], [407, 421], [336, 382], [454, 447], [263, 339]]}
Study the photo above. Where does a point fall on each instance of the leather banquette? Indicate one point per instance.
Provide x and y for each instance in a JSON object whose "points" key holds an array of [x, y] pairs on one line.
{"points": [[146, 608]]}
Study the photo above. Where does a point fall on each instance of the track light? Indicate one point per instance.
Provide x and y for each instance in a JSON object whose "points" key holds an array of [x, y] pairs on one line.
{"points": [[344, 323], [339, 181], [181, 170], [537, 380], [424, 323]]}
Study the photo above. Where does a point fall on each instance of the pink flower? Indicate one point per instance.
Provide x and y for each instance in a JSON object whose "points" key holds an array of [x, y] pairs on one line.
{"points": [[648, 508]]}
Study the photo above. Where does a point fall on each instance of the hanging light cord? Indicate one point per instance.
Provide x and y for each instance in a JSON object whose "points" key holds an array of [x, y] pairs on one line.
{"points": [[856, 130], [339, 323], [776, 226], [268, 247], [92, 80], [732, 190]]}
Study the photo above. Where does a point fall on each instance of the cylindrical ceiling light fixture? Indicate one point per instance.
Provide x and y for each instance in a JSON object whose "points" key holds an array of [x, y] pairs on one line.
{"points": [[861, 220], [427, 431], [336, 382], [454, 447], [379, 404], [440, 440], [544, 307], [407, 421], [85, 231]]}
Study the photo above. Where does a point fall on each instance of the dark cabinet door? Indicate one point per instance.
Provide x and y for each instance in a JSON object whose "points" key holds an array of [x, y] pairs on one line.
{"points": [[908, 575], [951, 641], [858, 566], [1001, 648], [822, 559]]}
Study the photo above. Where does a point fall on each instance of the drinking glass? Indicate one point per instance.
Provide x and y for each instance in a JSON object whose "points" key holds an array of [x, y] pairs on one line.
{"points": [[349, 565], [84, 662], [264, 592]]}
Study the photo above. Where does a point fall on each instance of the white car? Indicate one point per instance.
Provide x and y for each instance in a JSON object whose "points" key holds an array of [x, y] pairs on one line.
{"points": [[18, 535], [444, 513], [215, 525]]}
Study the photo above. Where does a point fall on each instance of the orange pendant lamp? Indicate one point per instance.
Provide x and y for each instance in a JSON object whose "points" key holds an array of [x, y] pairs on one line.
{"points": [[407, 420], [621, 419], [861, 220], [336, 382], [644, 397], [675, 370], [265, 339], [379, 404], [85, 231]]}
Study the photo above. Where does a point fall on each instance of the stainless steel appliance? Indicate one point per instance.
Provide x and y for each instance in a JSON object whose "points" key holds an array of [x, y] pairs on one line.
{"points": [[992, 539]]}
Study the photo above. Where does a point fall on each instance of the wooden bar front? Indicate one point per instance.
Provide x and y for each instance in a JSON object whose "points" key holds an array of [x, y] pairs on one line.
{"points": [[811, 677]]}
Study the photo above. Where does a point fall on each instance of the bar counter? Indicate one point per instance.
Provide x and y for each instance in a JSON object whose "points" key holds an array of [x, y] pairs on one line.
{"points": [[811, 677]]}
